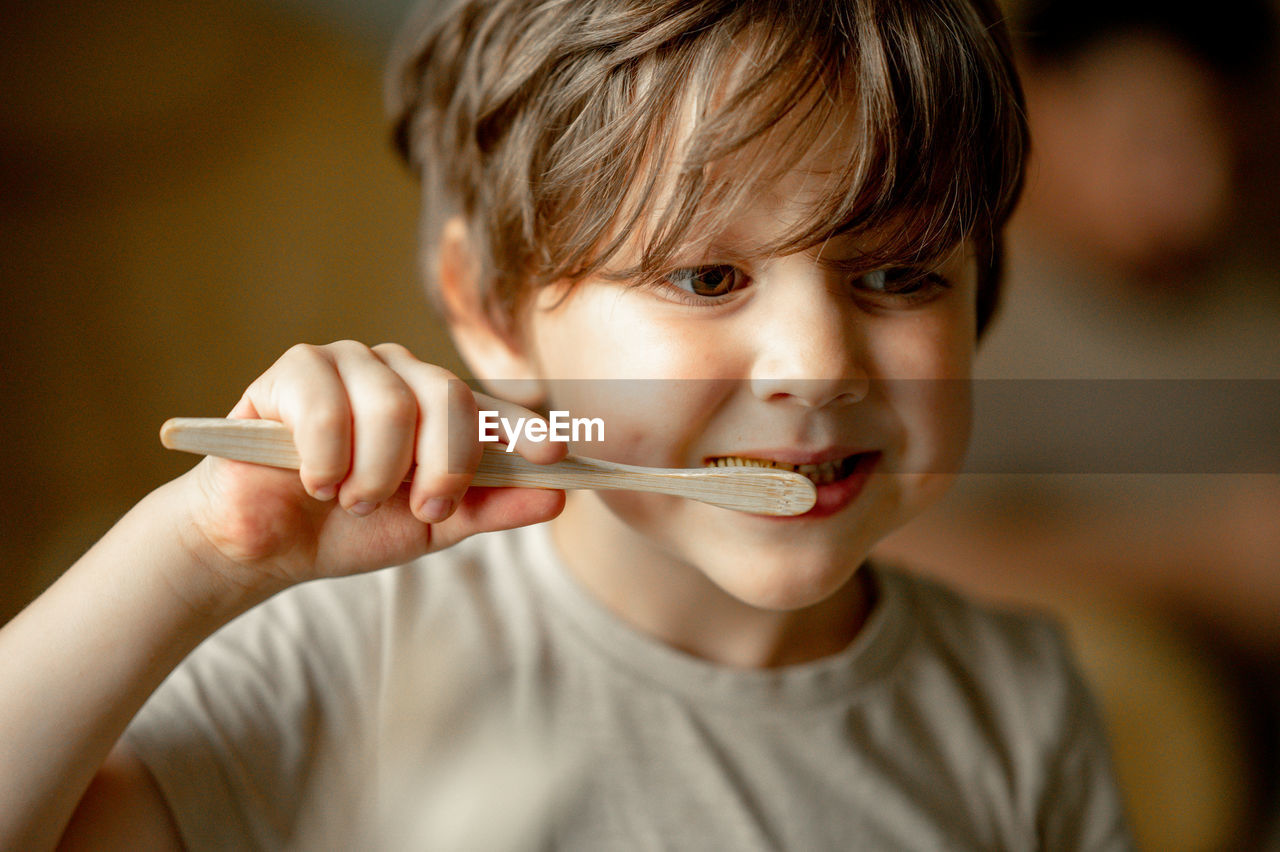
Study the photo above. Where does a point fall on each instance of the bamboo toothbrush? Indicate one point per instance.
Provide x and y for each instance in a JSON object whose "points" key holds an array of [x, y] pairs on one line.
{"points": [[759, 490]]}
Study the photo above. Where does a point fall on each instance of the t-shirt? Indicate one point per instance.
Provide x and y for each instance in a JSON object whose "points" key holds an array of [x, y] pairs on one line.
{"points": [[480, 699]]}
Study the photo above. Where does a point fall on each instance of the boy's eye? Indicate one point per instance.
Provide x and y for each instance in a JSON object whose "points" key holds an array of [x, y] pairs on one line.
{"points": [[901, 281], [707, 281]]}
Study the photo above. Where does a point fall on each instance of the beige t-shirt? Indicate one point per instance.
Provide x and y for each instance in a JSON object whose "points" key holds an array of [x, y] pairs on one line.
{"points": [[479, 699]]}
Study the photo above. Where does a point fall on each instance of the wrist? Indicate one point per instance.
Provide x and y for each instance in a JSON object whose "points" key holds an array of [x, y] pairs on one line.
{"points": [[201, 578]]}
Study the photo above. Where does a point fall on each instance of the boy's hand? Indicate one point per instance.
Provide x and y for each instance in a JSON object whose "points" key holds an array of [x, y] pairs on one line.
{"points": [[361, 418]]}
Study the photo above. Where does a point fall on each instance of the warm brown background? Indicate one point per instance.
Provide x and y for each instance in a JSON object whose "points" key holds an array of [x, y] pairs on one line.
{"points": [[186, 189]]}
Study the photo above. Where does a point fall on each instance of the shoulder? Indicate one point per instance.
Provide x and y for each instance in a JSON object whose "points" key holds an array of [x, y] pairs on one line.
{"points": [[1017, 646], [1005, 683], [1003, 677], [289, 707]]}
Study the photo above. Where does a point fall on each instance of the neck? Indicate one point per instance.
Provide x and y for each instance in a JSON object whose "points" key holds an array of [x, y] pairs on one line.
{"points": [[676, 603]]}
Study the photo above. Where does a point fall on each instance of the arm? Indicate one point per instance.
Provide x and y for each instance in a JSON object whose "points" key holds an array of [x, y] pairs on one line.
{"points": [[80, 661]]}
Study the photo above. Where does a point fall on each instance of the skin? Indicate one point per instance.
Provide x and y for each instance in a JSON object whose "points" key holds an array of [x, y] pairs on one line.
{"points": [[791, 359], [213, 543], [794, 359]]}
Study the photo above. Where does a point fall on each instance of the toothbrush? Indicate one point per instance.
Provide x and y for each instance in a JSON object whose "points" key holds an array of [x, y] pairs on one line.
{"points": [[758, 490]]}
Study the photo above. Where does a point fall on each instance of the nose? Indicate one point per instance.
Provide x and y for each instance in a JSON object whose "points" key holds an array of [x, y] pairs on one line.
{"points": [[808, 349]]}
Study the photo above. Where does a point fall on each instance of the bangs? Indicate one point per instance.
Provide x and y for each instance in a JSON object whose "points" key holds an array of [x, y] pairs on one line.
{"points": [[929, 115], [618, 134]]}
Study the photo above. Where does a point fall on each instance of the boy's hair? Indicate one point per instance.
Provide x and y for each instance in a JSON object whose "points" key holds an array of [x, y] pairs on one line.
{"points": [[560, 130]]}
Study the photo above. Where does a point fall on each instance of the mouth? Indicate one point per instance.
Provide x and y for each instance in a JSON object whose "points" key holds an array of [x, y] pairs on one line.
{"points": [[820, 473]]}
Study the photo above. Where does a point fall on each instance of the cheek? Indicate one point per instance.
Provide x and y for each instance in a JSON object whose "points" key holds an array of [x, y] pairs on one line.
{"points": [[605, 353], [933, 418], [924, 362], [945, 418], [602, 331], [934, 344], [651, 422]]}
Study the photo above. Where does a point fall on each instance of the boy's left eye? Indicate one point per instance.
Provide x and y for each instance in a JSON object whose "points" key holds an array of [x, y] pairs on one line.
{"points": [[902, 282], [707, 281]]}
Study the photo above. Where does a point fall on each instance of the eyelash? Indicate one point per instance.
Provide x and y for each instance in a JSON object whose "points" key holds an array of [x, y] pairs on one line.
{"points": [[913, 287], [681, 294]]}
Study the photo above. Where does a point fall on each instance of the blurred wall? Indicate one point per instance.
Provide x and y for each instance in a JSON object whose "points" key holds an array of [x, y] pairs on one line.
{"points": [[186, 189]]}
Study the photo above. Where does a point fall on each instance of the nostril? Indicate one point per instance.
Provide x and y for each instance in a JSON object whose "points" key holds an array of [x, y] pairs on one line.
{"points": [[812, 393]]}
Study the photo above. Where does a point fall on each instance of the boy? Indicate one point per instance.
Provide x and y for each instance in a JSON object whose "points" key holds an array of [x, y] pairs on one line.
{"points": [[776, 220]]}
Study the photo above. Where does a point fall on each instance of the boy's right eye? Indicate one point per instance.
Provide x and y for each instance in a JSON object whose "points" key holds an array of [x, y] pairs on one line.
{"points": [[708, 282]]}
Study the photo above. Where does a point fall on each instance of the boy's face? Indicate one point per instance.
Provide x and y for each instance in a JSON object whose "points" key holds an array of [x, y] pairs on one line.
{"points": [[785, 358]]}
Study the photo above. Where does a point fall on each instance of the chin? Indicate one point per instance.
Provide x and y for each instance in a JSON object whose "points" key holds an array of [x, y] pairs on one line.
{"points": [[784, 585]]}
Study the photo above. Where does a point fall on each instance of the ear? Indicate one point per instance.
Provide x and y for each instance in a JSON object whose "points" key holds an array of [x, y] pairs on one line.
{"points": [[494, 354]]}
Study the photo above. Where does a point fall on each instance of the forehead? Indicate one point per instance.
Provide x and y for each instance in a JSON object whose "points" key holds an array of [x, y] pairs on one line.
{"points": [[721, 154], [803, 181], [833, 144]]}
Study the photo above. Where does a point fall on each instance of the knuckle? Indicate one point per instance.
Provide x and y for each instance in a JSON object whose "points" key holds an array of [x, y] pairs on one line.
{"points": [[347, 348], [305, 352], [453, 395], [328, 420], [441, 389], [438, 385], [396, 407], [458, 393], [440, 374], [432, 374], [394, 350]]}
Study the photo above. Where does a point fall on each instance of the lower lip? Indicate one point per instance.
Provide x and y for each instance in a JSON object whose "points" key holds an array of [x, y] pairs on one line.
{"points": [[835, 496]]}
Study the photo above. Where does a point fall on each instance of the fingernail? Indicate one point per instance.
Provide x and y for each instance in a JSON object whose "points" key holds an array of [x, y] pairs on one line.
{"points": [[364, 507], [325, 493], [437, 509]]}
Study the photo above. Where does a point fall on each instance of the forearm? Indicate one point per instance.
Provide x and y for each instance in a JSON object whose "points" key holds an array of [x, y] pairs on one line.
{"points": [[77, 664]]}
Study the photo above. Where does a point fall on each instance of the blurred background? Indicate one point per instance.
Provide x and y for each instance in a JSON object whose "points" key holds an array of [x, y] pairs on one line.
{"points": [[188, 189]]}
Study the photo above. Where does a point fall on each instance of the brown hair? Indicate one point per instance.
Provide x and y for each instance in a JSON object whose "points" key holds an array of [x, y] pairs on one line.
{"points": [[548, 124]]}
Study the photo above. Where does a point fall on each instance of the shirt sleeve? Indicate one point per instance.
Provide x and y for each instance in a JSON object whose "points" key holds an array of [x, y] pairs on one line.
{"points": [[260, 731], [1082, 807]]}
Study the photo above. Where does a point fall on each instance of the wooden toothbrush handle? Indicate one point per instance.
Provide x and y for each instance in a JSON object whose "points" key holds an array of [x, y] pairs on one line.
{"points": [[758, 490]]}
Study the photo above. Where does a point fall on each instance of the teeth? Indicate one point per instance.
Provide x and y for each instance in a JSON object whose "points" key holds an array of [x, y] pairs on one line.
{"points": [[821, 473]]}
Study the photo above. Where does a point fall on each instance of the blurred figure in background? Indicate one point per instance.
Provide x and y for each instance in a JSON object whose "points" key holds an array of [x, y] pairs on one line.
{"points": [[1144, 249], [1139, 130]]}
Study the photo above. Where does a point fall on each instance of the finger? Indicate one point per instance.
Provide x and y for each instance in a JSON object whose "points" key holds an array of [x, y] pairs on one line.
{"points": [[384, 423], [490, 509], [447, 449], [304, 390], [538, 452]]}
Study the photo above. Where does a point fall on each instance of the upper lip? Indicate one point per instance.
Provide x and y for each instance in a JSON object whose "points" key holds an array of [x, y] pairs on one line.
{"points": [[791, 455]]}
